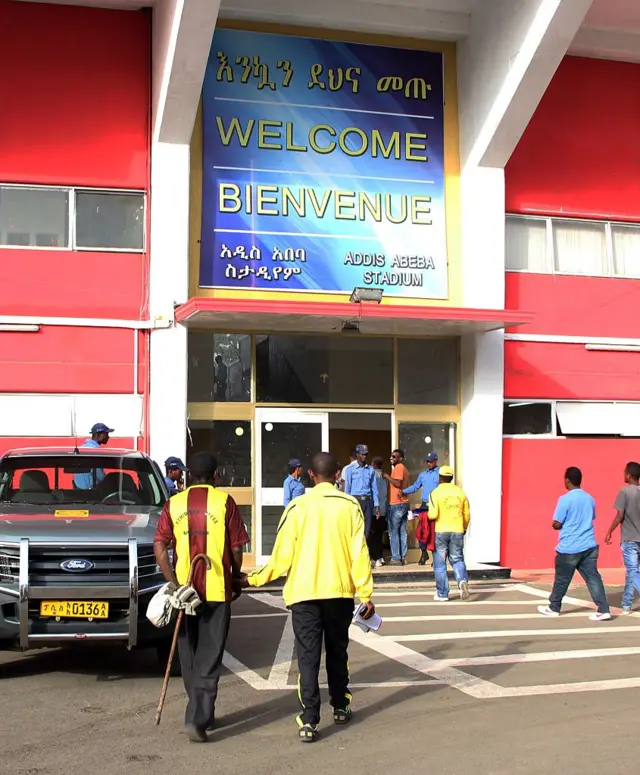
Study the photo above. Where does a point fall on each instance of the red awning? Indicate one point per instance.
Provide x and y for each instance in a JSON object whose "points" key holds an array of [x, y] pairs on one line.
{"points": [[304, 316]]}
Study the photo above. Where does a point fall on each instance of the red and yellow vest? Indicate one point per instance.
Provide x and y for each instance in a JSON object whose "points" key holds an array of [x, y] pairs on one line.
{"points": [[198, 515]]}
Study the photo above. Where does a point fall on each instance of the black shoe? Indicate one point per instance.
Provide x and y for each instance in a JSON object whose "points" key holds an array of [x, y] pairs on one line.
{"points": [[403, 562], [423, 559], [211, 725], [196, 734], [306, 732], [341, 717]]}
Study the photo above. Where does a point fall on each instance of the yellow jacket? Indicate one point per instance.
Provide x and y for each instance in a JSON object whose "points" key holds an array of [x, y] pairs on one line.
{"points": [[321, 547], [449, 508]]}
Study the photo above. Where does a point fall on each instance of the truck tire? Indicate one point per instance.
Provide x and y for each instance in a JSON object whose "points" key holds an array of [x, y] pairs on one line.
{"points": [[162, 651]]}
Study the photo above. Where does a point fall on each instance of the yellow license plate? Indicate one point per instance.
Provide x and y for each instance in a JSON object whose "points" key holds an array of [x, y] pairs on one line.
{"points": [[71, 513], [74, 609]]}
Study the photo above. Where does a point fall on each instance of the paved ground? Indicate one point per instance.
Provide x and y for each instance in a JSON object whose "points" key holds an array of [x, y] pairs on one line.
{"points": [[485, 685]]}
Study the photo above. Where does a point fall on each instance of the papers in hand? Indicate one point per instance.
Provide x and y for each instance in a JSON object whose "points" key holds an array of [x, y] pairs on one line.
{"points": [[373, 623]]}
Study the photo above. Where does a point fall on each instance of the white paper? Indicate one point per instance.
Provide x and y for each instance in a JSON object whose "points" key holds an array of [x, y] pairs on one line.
{"points": [[373, 623]]}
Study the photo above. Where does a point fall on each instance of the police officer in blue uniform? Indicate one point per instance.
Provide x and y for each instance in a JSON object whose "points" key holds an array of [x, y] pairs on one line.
{"points": [[174, 468], [99, 437], [293, 487], [360, 482]]}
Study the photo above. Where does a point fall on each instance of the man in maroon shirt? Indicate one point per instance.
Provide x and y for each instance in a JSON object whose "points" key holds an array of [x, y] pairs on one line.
{"points": [[202, 520]]}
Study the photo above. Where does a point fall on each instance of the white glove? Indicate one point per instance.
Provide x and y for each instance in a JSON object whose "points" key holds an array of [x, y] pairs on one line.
{"points": [[183, 597]]}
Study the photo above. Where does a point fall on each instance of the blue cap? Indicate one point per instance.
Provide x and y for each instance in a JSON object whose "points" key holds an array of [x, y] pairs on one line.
{"points": [[431, 457], [294, 463], [100, 427], [174, 462], [362, 449]]}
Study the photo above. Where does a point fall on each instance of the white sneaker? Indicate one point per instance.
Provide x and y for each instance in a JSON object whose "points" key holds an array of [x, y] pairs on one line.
{"points": [[546, 611], [464, 590], [439, 599], [626, 611], [379, 563], [598, 617]]}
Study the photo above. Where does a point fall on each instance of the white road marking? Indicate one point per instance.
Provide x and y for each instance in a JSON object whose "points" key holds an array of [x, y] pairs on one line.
{"points": [[279, 673], [242, 671], [474, 590], [540, 593], [596, 629], [468, 684], [455, 604], [571, 688], [471, 617], [539, 656]]}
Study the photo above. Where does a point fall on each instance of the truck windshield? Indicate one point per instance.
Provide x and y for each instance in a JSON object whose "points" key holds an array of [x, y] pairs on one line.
{"points": [[92, 480]]}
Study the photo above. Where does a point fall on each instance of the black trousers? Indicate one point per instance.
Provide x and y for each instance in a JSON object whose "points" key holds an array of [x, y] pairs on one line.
{"points": [[201, 645], [374, 542], [312, 622]]}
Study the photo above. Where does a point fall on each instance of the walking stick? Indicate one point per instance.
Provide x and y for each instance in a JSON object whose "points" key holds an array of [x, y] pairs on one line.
{"points": [[167, 674]]}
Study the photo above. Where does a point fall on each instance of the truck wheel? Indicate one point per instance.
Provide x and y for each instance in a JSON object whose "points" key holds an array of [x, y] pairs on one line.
{"points": [[162, 650]]}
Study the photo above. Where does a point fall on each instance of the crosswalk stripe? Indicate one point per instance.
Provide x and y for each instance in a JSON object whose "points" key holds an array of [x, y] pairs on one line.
{"points": [[596, 629], [472, 617], [539, 656], [455, 603]]}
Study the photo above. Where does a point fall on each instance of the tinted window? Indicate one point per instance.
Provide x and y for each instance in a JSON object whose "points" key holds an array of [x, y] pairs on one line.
{"points": [[417, 439], [111, 221], [324, 370], [428, 371], [34, 217], [230, 442], [526, 418], [219, 367]]}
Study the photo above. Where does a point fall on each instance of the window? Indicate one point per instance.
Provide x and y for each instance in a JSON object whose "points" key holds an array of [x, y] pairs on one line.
{"points": [[626, 250], [72, 219], [428, 371], [109, 220], [219, 367], [579, 247], [324, 370], [29, 216], [527, 418], [526, 245], [576, 246], [417, 439], [230, 442]]}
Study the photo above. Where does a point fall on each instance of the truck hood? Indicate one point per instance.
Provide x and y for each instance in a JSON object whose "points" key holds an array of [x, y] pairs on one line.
{"points": [[78, 526]]}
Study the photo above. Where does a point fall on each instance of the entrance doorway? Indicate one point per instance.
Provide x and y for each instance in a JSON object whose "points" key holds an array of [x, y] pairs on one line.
{"points": [[283, 434]]}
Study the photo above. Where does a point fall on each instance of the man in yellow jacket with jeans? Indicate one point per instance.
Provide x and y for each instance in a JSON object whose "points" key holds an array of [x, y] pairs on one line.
{"points": [[449, 510], [321, 547]]}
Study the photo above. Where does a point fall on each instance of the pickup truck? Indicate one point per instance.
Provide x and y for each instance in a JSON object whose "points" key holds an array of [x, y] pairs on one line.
{"points": [[76, 548]]}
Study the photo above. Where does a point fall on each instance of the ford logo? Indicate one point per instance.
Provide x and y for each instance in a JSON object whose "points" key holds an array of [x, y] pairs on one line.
{"points": [[77, 565]]}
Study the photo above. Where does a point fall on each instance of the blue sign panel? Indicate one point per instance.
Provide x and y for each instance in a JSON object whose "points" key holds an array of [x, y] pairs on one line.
{"points": [[323, 167]]}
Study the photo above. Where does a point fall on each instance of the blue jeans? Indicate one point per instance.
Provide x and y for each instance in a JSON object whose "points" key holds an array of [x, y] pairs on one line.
{"points": [[449, 546], [586, 563], [631, 559], [397, 526]]}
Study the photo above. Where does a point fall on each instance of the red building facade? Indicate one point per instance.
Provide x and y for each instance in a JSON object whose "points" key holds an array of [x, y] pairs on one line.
{"points": [[578, 164], [75, 124]]}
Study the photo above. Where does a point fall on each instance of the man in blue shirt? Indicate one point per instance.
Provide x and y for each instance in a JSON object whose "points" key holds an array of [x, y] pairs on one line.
{"points": [[99, 437], [360, 482], [174, 468], [293, 487], [427, 480], [577, 548]]}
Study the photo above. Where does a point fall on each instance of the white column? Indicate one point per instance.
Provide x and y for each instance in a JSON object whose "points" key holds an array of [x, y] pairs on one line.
{"points": [[169, 286], [482, 192]]}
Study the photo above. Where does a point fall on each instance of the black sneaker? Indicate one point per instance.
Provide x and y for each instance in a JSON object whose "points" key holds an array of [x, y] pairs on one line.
{"points": [[211, 725], [196, 734], [306, 732], [341, 717]]}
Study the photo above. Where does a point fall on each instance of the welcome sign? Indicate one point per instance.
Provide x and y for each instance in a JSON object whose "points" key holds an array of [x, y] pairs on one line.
{"points": [[323, 167]]}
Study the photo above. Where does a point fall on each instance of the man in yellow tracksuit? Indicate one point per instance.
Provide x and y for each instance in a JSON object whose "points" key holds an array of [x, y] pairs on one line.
{"points": [[449, 510], [321, 547]]}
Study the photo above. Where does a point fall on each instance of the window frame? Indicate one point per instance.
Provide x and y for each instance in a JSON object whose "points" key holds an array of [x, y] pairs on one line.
{"points": [[556, 432], [551, 252], [72, 191], [524, 401]]}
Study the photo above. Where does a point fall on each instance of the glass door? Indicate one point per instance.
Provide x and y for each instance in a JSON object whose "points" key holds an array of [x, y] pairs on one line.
{"points": [[282, 434]]}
